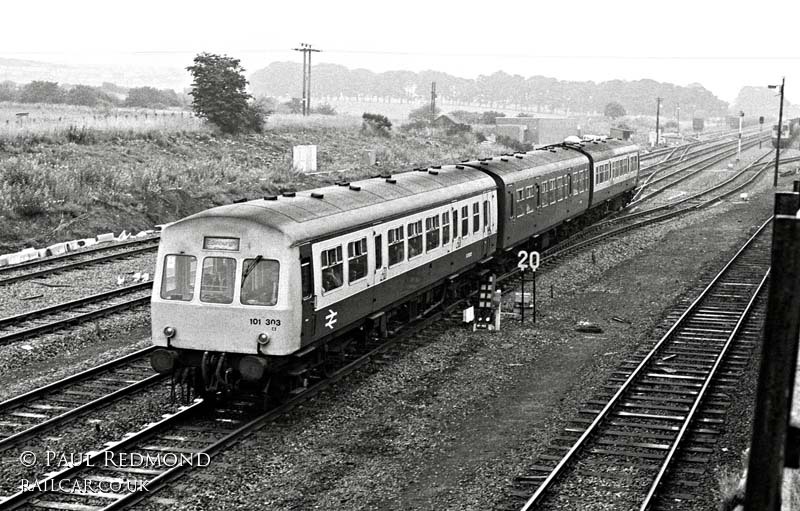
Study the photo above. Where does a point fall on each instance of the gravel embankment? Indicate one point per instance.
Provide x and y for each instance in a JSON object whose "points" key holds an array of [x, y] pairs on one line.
{"points": [[29, 295]]}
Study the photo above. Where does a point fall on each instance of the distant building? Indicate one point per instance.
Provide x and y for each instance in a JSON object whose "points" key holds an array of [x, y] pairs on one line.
{"points": [[537, 130], [620, 133], [444, 121]]}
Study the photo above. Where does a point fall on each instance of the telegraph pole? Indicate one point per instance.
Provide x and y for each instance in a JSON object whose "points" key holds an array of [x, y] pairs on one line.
{"points": [[780, 126], [658, 114], [433, 100], [739, 150], [307, 50]]}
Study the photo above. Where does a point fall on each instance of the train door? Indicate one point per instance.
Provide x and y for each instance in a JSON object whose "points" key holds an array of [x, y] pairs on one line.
{"points": [[456, 222], [379, 260], [307, 286]]}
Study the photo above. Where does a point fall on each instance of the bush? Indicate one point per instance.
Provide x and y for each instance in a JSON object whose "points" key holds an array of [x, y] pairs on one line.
{"points": [[324, 109], [480, 137], [516, 146], [490, 117], [458, 129], [376, 124]]}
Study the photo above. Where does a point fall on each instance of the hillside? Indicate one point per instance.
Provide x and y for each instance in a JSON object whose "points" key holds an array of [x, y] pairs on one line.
{"points": [[535, 93]]}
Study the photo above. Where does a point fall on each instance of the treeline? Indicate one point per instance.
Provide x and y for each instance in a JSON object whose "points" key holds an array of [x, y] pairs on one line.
{"points": [[538, 93], [108, 94]]}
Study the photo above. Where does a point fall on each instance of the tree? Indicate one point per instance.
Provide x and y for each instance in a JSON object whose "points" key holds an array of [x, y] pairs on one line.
{"points": [[423, 113], [218, 94], [376, 123], [614, 110], [41, 92]]}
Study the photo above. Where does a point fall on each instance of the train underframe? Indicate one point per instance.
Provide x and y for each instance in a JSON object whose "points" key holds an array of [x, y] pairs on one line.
{"points": [[219, 375]]}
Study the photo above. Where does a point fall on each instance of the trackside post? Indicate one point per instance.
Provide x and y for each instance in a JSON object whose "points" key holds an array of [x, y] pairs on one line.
{"points": [[774, 441]]}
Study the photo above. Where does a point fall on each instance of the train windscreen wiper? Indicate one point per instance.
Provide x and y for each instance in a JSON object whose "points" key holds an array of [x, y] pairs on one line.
{"points": [[251, 268]]}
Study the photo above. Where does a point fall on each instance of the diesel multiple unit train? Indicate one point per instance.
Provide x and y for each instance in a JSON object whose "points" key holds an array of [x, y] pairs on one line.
{"points": [[252, 296], [790, 129]]}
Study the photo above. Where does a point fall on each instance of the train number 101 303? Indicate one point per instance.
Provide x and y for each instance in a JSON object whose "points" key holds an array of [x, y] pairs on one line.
{"points": [[265, 322]]}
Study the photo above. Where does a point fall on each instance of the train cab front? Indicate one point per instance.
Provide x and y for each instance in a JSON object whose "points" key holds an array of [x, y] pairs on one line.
{"points": [[221, 306]]}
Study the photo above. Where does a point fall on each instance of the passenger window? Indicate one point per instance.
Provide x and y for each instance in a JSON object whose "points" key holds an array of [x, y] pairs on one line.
{"points": [[445, 228], [414, 239], [465, 220], [455, 223], [397, 247], [558, 189], [217, 280], [551, 191], [332, 268], [260, 282], [538, 196], [177, 281], [378, 252], [431, 233], [476, 217], [356, 260]]}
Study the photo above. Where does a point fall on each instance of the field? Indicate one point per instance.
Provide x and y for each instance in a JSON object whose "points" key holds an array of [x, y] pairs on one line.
{"points": [[68, 172]]}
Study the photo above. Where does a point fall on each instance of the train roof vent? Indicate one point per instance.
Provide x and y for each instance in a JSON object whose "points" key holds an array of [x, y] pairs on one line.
{"points": [[391, 181], [238, 201], [355, 188], [433, 172], [317, 195], [436, 166], [289, 194], [504, 159], [422, 169], [459, 166], [270, 197], [465, 161], [343, 183], [484, 162], [518, 156], [386, 176]]}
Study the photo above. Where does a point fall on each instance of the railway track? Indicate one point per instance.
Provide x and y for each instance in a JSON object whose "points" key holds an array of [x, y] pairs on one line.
{"points": [[57, 317], [39, 268], [194, 434], [28, 415], [657, 409], [715, 154]]}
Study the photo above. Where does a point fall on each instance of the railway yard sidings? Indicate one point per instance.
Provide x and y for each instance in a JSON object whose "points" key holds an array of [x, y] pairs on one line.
{"points": [[445, 418]]}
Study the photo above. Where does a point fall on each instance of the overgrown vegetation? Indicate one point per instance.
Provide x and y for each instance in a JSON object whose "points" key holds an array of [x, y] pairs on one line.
{"points": [[515, 145], [82, 181]]}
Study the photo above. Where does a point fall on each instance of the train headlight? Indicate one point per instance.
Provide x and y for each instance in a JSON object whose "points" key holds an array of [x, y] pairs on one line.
{"points": [[263, 339], [170, 332], [252, 368], [163, 361]]}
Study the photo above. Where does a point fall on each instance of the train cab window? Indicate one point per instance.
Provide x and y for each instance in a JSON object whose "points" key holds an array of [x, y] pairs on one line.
{"points": [[356, 260], [332, 269], [476, 217], [397, 246], [431, 233], [455, 223], [177, 282], [217, 280], [445, 228], [260, 281], [465, 221], [414, 239], [520, 202], [378, 252]]}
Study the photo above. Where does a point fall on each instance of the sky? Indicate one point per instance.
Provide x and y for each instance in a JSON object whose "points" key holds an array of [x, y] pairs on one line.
{"points": [[721, 44]]}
